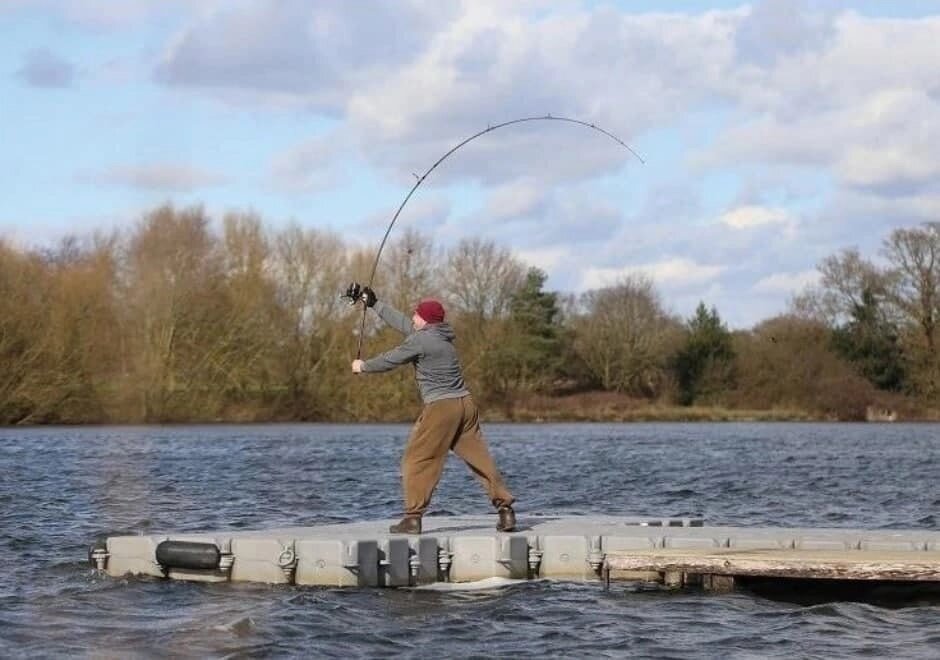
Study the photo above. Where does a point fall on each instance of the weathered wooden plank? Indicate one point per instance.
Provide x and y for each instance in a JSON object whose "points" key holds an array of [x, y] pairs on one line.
{"points": [[851, 565]]}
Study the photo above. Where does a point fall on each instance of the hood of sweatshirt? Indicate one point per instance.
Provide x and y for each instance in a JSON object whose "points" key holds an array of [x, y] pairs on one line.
{"points": [[442, 330]]}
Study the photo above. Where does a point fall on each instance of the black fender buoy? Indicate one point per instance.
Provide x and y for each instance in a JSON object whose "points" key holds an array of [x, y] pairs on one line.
{"points": [[188, 554]]}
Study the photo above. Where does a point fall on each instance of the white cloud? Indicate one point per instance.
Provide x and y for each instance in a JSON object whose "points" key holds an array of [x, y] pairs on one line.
{"points": [[492, 64], [872, 211], [548, 259], [513, 200], [598, 278], [453, 68], [676, 272], [774, 29], [828, 110], [808, 86], [778, 283], [311, 166], [870, 92], [820, 89], [892, 167], [428, 215], [311, 54], [527, 215], [748, 217], [160, 177], [681, 271]]}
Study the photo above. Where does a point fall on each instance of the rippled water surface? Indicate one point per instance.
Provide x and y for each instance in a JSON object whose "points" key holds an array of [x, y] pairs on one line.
{"points": [[63, 487]]}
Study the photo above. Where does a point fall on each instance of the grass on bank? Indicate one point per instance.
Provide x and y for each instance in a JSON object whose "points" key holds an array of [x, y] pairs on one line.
{"points": [[612, 407], [615, 407]]}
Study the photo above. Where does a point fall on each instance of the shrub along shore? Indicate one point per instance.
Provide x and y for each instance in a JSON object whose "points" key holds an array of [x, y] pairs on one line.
{"points": [[186, 318]]}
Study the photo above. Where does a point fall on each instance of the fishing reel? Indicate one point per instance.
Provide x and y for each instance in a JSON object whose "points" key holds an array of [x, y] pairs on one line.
{"points": [[353, 294], [356, 293]]}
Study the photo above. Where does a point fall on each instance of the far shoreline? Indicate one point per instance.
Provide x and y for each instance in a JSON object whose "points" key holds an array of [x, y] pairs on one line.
{"points": [[641, 414]]}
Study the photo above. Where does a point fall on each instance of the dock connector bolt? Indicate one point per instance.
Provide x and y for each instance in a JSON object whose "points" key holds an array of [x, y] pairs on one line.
{"points": [[444, 560], [596, 556], [98, 556], [226, 558], [535, 557], [287, 561], [225, 563], [351, 557]]}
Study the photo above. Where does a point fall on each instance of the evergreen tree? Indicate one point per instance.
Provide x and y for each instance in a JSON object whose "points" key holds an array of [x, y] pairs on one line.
{"points": [[528, 355], [870, 342], [705, 362]]}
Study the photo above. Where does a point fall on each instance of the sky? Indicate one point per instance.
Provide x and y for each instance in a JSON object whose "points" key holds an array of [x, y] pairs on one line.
{"points": [[773, 134]]}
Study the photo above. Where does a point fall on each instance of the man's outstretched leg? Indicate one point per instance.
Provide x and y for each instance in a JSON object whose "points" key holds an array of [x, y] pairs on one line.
{"points": [[423, 460], [472, 448]]}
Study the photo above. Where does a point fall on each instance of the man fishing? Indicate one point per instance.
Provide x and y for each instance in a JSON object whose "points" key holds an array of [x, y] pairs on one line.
{"points": [[449, 420]]}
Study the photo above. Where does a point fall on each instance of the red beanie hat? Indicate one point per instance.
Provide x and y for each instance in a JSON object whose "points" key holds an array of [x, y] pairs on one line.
{"points": [[430, 310]]}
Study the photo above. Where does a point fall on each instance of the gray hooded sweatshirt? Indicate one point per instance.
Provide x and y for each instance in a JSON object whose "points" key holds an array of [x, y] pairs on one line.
{"points": [[430, 349]]}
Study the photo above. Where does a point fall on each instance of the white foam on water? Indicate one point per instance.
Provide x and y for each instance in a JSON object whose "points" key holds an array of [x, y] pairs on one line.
{"points": [[479, 585], [238, 627]]}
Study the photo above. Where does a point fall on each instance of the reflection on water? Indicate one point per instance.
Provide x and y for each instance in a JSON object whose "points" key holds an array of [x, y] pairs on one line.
{"points": [[63, 487]]}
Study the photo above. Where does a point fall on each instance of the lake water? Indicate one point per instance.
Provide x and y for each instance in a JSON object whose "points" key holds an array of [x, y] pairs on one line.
{"points": [[60, 488]]}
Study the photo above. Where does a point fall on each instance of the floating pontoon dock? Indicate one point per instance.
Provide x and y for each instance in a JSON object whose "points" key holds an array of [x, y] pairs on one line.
{"points": [[465, 549]]}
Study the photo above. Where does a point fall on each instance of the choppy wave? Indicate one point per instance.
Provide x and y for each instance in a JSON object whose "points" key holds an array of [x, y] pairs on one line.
{"points": [[64, 487]]}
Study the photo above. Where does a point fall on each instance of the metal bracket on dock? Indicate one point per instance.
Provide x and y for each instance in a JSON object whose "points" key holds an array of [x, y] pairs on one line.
{"points": [[596, 555], [226, 558], [287, 561], [225, 562], [351, 558], [98, 556], [444, 559], [535, 557]]}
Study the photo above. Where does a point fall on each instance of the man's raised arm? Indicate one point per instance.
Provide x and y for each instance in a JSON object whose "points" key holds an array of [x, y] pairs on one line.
{"points": [[386, 312]]}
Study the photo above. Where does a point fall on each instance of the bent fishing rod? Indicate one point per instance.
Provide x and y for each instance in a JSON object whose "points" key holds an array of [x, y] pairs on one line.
{"points": [[420, 180]]}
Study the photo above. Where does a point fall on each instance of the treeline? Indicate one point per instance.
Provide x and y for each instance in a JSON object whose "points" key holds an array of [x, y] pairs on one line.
{"points": [[175, 321]]}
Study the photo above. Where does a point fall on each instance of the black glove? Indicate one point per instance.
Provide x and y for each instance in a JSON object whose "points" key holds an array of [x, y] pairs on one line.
{"points": [[368, 296], [353, 292]]}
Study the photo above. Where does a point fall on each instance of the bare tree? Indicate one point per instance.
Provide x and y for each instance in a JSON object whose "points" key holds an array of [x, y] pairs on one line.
{"points": [[311, 268], [172, 279], [914, 255], [240, 353], [480, 282], [409, 270], [480, 279], [844, 280], [246, 248], [84, 337], [24, 322], [625, 337]]}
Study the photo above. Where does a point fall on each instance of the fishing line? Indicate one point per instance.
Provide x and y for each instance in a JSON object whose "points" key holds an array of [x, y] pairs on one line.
{"points": [[420, 180]]}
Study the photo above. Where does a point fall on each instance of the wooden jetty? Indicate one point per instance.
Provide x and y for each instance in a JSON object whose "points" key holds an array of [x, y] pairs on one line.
{"points": [[676, 552], [717, 570]]}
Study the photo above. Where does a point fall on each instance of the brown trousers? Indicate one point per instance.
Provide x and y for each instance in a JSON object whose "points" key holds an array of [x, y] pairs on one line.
{"points": [[444, 425]]}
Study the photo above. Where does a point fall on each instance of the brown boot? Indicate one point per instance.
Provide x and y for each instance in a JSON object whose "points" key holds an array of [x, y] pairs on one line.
{"points": [[408, 525], [507, 519]]}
